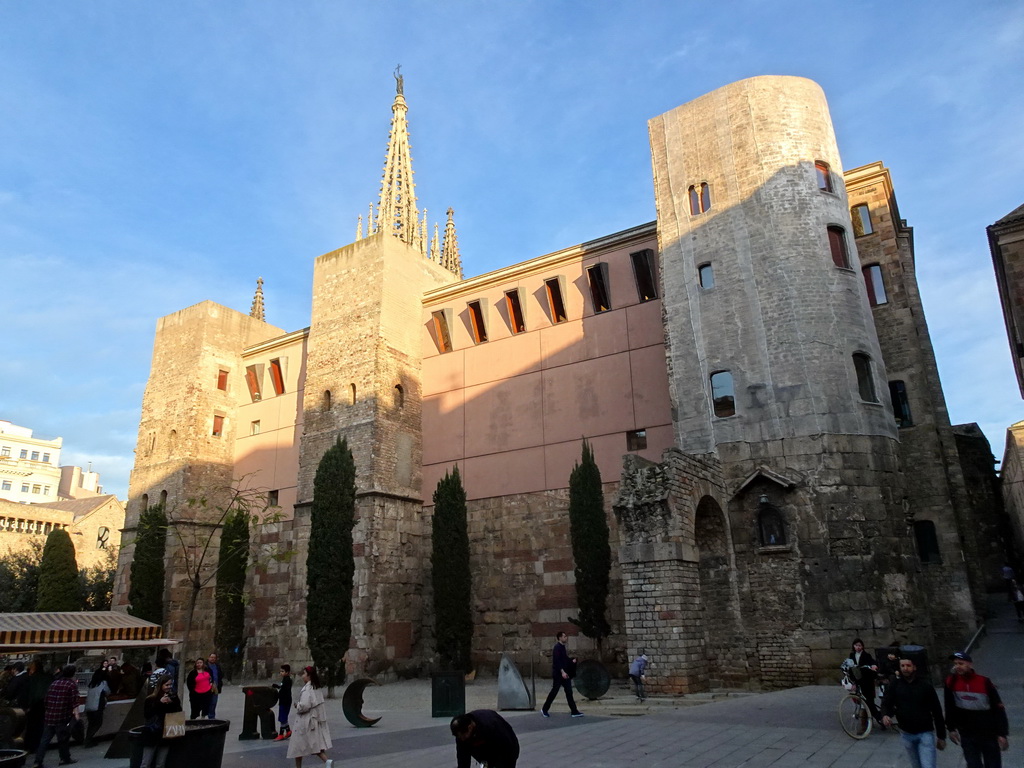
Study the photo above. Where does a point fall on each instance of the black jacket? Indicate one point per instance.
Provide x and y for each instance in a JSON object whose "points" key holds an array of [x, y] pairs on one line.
{"points": [[915, 705], [493, 742]]}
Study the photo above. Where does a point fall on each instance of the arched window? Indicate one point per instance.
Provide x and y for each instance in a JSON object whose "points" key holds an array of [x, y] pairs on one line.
{"points": [[353, 395], [865, 380], [824, 174], [723, 397], [837, 244], [163, 499], [700, 198], [770, 526], [102, 537], [145, 502], [327, 399], [399, 396]]}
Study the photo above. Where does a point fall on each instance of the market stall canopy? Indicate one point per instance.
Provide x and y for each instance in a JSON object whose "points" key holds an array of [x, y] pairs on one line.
{"points": [[66, 631]]}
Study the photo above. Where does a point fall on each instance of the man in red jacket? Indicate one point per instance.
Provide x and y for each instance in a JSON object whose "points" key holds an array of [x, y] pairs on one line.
{"points": [[975, 715]]}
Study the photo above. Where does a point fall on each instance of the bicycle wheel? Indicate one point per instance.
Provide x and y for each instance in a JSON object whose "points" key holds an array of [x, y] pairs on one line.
{"points": [[854, 716]]}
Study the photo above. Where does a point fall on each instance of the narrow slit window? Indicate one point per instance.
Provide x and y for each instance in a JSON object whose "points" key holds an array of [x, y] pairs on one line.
{"points": [[824, 174], [865, 381], [875, 285], [643, 271], [555, 302], [706, 274], [636, 440], [837, 245], [222, 380], [705, 197], [252, 380], [723, 395], [218, 425], [597, 276], [163, 499], [476, 320], [399, 395], [277, 375], [861, 216], [352, 394], [441, 330], [327, 399], [900, 404], [515, 311]]}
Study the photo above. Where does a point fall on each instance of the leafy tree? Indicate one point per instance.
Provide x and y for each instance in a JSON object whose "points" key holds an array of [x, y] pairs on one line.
{"points": [[19, 578], [58, 575], [588, 528], [229, 634], [146, 593], [96, 583], [453, 618], [330, 566]]}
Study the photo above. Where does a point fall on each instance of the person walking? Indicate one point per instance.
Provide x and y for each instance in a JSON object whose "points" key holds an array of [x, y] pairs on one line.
{"points": [[975, 715], [485, 736], [217, 681], [916, 706], [310, 735], [60, 711], [1009, 576], [200, 684], [158, 704], [865, 673], [563, 669], [95, 703], [284, 701], [638, 674]]}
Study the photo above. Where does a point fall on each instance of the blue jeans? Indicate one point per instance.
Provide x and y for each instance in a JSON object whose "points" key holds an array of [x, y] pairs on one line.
{"points": [[63, 734], [920, 748]]}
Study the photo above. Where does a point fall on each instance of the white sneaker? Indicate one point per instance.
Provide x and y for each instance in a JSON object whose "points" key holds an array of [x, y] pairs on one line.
{"points": [[329, 763]]}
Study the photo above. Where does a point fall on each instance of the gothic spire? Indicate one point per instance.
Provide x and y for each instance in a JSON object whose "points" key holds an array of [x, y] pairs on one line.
{"points": [[450, 258], [257, 301], [396, 212]]}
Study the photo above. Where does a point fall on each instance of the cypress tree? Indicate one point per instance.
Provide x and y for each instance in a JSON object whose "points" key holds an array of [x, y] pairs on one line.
{"points": [[146, 593], [233, 561], [591, 552], [58, 575], [330, 566], [453, 618]]}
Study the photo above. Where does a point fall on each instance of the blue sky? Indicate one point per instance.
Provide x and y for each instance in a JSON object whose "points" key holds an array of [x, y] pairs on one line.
{"points": [[153, 155]]}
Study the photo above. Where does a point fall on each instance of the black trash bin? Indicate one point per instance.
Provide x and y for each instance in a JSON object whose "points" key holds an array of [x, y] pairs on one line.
{"points": [[12, 758], [202, 746]]}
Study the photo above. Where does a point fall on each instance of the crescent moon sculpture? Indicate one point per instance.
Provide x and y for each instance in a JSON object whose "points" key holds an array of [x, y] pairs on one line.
{"points": [[352, 703]]}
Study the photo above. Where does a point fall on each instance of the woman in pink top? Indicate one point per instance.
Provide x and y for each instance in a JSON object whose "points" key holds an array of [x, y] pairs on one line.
{"points": [[200, 689]]}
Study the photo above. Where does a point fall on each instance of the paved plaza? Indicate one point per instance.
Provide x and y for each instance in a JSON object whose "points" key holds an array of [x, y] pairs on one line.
{"points": [[784, 729]]}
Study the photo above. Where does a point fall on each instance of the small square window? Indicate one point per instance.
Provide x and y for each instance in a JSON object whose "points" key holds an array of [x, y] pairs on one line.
{"points": [[46, 490], [46, 458], [23, 454], [36, 488], [254, 427], [35, 455], [5, 451], [636, 440], [272, 498], [222, 380], [24, 487], [7, 485]]}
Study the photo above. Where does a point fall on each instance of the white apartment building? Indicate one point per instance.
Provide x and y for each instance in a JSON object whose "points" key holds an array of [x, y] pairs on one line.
{"points": [[29, 467]]}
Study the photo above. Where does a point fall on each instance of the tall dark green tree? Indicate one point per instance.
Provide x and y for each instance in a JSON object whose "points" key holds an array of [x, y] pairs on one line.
{"points": [[146, 593], [58, 575], [233, 562], [453, 617], [591, 551], [330, 566]]}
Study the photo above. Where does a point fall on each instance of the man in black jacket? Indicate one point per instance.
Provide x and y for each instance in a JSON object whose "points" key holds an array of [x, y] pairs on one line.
{"points": [[486, 737], [916, 707], [563, 669]]}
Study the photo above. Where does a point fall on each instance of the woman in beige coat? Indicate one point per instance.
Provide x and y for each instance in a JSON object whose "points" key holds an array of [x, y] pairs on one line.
{"points": [[310, 735]]}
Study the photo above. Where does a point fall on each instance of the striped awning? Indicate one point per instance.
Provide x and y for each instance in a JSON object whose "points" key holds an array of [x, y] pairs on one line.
{"points": [[90, 629]]}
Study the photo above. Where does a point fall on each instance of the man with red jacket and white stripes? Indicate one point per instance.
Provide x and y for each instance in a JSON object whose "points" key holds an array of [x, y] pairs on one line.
{"points": [[975, 715]]}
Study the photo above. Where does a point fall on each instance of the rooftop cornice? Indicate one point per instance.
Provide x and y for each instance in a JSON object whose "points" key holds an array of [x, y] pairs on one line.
{"points": [[277, 341]]}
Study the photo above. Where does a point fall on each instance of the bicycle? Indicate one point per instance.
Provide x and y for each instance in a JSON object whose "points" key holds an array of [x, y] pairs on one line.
{"points": [[854, 712]]}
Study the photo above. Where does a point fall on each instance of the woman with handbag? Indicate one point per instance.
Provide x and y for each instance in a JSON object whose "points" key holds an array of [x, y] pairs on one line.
{"points": [[310, 735], [161, 702], [200, 689]]}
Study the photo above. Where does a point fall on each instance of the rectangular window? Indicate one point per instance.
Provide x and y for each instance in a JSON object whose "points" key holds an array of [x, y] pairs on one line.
{"points": [[35, 455], [5, 451], [837, 244], [643, 271], [46, 490], [24, 487], [442, 330], [861, 216], [865, 380], [597, 276], [7, 485], [252, 380], [824, 176], [222, 380], [876, 287], [723, 394], [272, 498], [36, 488], [46, 458], [254, 428], [553, 285], [23, 454], [515, 311], [927, 541], [476, 319], [636, 440], [218, 425], [900, 404], [706, 275], [277, 375]]}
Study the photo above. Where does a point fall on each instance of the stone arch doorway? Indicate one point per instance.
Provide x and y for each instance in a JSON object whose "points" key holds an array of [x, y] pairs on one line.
{"points": [[724, 640]]}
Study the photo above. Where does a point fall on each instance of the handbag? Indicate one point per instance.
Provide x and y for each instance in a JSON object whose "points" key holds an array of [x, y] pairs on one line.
{"points": [[174, 725]]}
